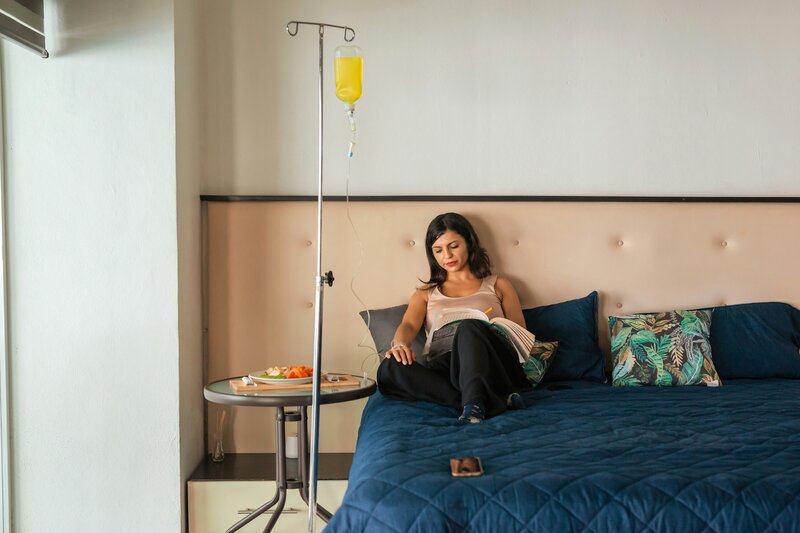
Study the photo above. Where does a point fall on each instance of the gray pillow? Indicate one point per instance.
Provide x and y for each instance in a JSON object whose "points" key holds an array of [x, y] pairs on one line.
{"points": [[382, 325]]}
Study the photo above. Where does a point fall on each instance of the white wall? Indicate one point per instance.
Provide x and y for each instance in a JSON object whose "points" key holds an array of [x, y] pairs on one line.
{"points": [[510, 97], [188, 115], [93, 265]]}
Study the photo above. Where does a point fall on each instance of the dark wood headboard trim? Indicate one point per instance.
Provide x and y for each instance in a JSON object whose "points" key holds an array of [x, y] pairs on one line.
{"points": [[655, 199]]}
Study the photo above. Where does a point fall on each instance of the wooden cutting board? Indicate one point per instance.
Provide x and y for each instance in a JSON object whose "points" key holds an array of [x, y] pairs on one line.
{"points": [[344, 381]]}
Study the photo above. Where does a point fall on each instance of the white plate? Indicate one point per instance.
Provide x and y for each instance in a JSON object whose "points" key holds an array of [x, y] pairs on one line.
{"points": [[263, 378]]}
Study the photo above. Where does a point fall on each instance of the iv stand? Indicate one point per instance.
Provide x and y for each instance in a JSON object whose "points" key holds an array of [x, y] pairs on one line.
{"points": [[320, 281]]}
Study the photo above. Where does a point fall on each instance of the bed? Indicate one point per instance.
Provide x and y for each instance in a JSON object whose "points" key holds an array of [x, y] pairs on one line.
{"points": [[585, 457]]}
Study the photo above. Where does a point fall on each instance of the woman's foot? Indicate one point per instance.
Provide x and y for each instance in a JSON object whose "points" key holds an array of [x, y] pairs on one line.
{"points": [[515, 401], [473, 413]]}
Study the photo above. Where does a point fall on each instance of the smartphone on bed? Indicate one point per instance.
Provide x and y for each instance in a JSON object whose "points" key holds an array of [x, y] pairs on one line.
{"points": [[466, 467]]}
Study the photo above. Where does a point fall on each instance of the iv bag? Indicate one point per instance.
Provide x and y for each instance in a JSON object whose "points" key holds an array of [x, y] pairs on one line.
{"points": [[348, 71]]}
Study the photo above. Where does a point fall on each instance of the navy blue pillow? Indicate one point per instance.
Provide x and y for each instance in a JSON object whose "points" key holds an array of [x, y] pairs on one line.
{"points": [[758, 340], [574, 325]]}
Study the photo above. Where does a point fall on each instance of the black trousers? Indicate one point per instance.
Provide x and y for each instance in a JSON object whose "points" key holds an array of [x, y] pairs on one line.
{"points": [[482, 368]]}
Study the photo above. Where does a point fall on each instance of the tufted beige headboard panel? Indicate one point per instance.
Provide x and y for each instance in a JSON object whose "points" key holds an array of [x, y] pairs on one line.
{"points": [[640, 256]]}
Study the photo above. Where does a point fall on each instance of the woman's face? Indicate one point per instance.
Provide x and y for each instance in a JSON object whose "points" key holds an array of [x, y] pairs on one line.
{"points": [[450, 251]]}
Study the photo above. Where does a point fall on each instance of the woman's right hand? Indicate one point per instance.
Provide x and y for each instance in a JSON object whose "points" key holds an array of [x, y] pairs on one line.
{"points": [[409, 328], [401, 353]]}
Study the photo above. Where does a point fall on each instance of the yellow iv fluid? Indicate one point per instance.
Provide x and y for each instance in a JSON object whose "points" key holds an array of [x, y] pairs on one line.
{"points": [[348, 66], [348, 73]]}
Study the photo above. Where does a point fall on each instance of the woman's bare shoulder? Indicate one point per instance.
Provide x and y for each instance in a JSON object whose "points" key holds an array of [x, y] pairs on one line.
{"points": [[422, 292]]}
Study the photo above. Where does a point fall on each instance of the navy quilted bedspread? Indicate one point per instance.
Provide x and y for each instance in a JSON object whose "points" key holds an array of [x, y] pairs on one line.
{"points": [[588, 458]]}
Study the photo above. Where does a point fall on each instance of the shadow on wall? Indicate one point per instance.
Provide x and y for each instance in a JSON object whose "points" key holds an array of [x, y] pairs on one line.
{"points": [[82, 25]]}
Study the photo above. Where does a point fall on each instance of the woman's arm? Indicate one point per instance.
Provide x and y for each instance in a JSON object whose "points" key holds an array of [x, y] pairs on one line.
{"points": [[409, 327], [512, 309]]}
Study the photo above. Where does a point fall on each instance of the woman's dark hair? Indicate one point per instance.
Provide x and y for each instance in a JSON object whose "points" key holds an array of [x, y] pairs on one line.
{"points": [[478, 259]]}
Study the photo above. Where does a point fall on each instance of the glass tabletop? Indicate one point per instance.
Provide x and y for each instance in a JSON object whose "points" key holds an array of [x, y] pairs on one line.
{"points": [[222, 392]]}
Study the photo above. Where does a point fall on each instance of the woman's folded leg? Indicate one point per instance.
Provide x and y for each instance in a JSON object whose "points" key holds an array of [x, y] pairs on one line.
{"points": [[485, 367], [416, 382]]}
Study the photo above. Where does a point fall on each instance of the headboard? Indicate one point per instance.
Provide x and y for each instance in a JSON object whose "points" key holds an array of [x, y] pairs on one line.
{"points": [[639, 255]]}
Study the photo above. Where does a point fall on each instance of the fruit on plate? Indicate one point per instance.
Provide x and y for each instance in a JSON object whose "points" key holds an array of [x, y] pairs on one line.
{"points": [[289, 372]]}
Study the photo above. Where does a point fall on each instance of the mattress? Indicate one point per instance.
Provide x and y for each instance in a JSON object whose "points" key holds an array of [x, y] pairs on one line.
{"points": [[585, 457]]}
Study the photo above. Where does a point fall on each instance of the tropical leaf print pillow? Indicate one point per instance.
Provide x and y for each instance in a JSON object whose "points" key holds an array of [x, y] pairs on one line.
{"points": [[537, 364], [664, 349]]}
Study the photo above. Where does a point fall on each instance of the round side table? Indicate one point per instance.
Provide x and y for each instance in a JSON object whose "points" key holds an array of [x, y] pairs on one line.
{"points": [[221, 392]]}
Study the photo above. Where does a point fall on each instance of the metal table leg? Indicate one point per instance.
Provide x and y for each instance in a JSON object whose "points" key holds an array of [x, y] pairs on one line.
{"points": [[255, 514], [280, 481], [282, 484], [280, 466]]}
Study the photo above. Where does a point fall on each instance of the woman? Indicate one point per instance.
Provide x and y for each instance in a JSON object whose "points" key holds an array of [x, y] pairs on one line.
{"points": [[481, 374]]}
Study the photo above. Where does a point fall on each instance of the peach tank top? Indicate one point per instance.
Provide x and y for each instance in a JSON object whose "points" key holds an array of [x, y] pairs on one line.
{"points": [[481, 300]]}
